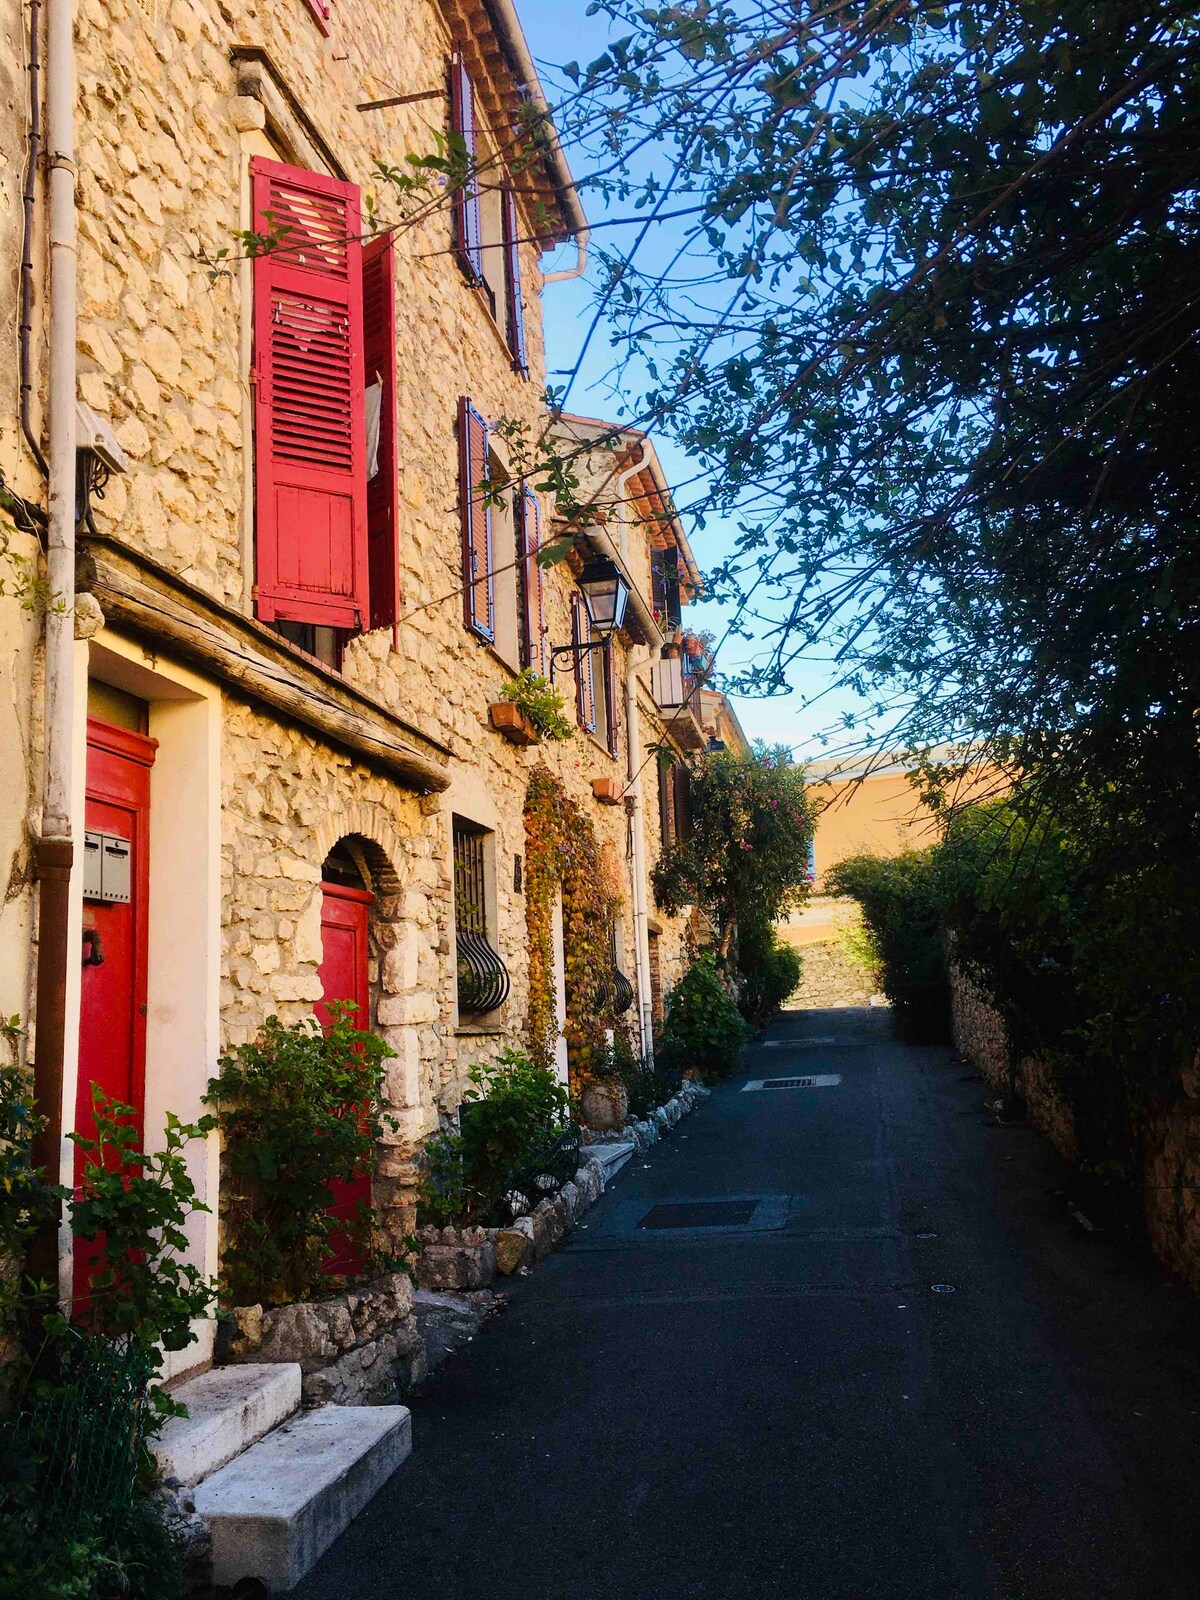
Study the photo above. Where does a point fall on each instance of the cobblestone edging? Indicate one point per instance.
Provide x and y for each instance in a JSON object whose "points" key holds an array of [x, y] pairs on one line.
{"points": [[472, 1258], [368, 1345]]}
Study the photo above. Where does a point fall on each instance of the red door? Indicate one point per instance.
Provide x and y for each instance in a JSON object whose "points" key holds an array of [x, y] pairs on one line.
{"points": [[343, 974], [112, 1014]]}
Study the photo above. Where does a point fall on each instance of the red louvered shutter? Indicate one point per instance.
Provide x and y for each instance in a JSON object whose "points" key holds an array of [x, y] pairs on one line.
{"points": [[473, 482], [533, 627], [512, 278], [309, 410], [612, 710], [468, 228], [383, 490]]}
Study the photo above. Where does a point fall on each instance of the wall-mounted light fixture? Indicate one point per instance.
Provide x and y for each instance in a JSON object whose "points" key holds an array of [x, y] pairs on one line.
{"points": [[605, 592]]}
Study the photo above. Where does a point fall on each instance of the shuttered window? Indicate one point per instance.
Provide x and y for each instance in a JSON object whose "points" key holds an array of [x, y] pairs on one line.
{"points": [[666, 799], [479, 604], [468, 228], [664, 571], [533, 627], [612, 712], [309, 410], [383, 504], [512, 279], [585, 676]]}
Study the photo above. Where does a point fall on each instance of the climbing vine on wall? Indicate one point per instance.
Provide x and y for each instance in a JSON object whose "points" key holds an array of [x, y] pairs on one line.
{"points": [[561, 850]]}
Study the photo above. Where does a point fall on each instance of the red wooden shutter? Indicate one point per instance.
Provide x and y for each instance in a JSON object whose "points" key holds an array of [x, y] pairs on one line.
{"points": [[533, 631], [512, 278], [473, 482], [309, 411], [585, 680], [612, 712], [468, 228], [383, 491]]}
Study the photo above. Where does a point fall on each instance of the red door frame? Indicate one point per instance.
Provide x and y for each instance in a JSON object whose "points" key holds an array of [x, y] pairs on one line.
{"points": [[118, 776], [345, 909]]}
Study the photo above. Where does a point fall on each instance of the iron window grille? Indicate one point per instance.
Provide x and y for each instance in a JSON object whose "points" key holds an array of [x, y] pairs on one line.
{"points": [[483, 980], [622, 988]]}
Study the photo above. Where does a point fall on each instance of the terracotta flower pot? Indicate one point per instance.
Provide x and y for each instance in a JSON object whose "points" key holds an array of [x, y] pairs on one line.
{"points": [[510, 721], [604, 1106], [607, 791]]}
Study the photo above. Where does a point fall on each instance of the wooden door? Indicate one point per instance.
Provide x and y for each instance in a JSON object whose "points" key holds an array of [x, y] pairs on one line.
{"points": [[343, 974], [112, 1013]]}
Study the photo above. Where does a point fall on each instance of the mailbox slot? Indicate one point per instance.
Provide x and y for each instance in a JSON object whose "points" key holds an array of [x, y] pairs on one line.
{"points": [[107, 868]]}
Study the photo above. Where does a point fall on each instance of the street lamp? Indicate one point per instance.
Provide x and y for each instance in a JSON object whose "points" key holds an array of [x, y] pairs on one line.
{"points": [[605, 591]]}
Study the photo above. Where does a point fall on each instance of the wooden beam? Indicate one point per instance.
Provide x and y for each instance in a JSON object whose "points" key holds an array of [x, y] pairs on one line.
{"points": [[144, 599]]}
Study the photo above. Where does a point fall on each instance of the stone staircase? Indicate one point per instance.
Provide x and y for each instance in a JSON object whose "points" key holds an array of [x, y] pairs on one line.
{"points": [[275, 1485]]}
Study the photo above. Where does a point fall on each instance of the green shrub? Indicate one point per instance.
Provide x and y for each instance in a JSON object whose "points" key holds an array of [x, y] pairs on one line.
{"points": [[300, 1110], [769, 970], [903, 900], [647, 1085], [515, 1142], [25, 1197], [703, 1029], [135, 1207]]}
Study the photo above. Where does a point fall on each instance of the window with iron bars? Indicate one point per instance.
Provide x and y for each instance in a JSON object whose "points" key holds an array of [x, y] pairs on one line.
{"points": [[483, 981]]}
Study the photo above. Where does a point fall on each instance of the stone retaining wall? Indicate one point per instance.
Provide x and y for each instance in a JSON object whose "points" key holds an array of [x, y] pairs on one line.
{"points": [[829, 978], [1169, 1143], [357, 1348]]}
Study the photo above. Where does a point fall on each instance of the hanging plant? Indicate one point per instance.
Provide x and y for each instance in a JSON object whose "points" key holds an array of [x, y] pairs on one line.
{"points": [[561, 851]]}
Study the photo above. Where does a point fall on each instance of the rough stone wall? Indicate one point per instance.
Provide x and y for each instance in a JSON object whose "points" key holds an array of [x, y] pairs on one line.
{"points": [[20, 679], [828, 978], [1169, 1142], [979, 1035]]}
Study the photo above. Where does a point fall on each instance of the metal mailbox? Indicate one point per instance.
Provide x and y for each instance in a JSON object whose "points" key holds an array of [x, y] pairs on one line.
{"points": [[107, 868]]}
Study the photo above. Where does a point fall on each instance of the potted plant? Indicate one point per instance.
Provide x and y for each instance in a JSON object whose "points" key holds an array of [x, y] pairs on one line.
{"points": [[607, 791], [530, 709]]}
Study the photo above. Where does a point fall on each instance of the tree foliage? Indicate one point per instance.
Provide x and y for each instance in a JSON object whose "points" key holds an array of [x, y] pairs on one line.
{"points": [[926, 319], [746, 859]]}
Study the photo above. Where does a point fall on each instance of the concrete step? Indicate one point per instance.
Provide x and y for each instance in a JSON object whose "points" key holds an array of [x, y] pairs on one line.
{"points": [[229, 1409], [612, 1157], [277, 1508]]}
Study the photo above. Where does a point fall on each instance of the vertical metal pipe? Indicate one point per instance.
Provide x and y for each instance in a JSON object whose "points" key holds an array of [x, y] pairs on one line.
{"points": [[638, 864], [54, 848], [28, 200]]}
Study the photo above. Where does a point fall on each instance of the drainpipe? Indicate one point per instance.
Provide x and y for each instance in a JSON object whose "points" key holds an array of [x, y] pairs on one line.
{"points": [[28, 203], [55, 850], [637, 846], [637, 821]]}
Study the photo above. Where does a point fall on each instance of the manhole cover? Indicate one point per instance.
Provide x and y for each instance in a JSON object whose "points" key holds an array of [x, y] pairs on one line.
{"points": [[926, 1233], [700, 1214], [943, 1288]]}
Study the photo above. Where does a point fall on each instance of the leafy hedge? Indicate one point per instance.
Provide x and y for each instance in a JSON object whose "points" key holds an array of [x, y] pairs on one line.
{"points": [[904, 907], [769, 970], [703, 1030]]}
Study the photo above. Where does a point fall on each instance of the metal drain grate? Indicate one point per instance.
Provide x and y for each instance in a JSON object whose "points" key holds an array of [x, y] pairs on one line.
{"points": [[827, 1080], [700, 1214]]}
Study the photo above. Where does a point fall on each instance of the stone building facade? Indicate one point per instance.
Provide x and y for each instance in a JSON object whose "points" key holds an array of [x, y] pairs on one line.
{"points": [[260, 750]]}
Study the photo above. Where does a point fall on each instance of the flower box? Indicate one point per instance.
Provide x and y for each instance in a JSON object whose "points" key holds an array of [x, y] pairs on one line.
{"points": [[512, 723], [607, 791]]}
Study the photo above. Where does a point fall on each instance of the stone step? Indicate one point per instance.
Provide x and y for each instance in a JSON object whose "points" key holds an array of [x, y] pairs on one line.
{"points": [[276, 1509], [229, 1409], [612, 1157]]}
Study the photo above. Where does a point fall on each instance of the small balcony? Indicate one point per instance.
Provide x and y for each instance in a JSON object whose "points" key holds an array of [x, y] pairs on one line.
{"points": [[675, 683]]}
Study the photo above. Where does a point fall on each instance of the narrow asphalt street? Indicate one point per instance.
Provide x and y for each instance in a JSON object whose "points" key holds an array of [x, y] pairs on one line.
{"points": [[898, 1368]]}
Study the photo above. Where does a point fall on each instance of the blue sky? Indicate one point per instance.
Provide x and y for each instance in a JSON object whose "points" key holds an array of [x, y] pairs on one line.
{"points": [[558, 31]]}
